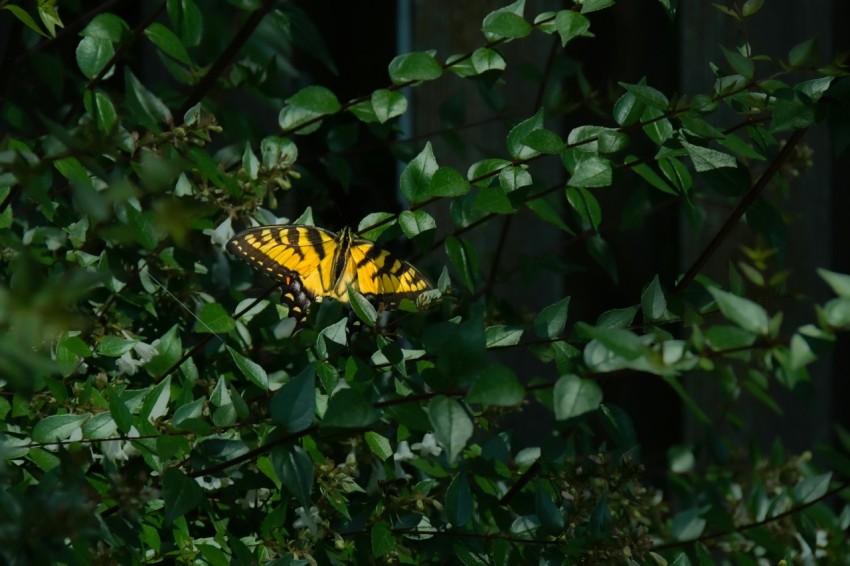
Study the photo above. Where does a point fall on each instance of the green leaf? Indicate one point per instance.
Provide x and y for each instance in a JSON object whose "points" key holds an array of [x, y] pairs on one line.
{"points": [[836, 313], [544, 141], [180, 493], [250, 369], [295, 469], [120, 412], [316, 99], [706, 159], [748, 315], [24, 17], [57, 427], [106, 26], [169, 349], [805, 54], [213, 318], [502, 336], [482, 173], [649, 175], [375, 224], [496, 386], [383, 541], [379, 445], [512, 178], [597, 139], [190, 417], [628, 109], [143, 227], [546, 510], [741, 64], [550, 322], [571, 25], [305, 107], [652, 97], [677, 173], [506, 22], [814, 88], [617, 318], [168, 42], [687, 525], [348, 409], [573, 396], [416, 222], [656, 126], [146, 108], [50, 17], [586, 205], [459, 503], [416, 177], [361, 306], [187, 20], [550, 210], [462, 260], [100, 106], [593, 5], [448, 182], [388, 104], [520, 132], [838, 282], [484, 60], [156, 401], [416, 66], [452, 424], [812, 488], [653, 302], [792, 111], [591, 171], [93, 53], [293, 406], [621, 342], [750, 7], [481, 61]]}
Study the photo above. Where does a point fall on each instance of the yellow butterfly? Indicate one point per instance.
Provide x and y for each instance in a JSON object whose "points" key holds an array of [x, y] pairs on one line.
{"points": [[313, 262]]}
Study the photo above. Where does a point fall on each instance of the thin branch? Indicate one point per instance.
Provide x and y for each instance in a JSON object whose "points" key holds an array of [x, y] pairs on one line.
{"points": [[739, 211], [208, 80], [741, 528]]}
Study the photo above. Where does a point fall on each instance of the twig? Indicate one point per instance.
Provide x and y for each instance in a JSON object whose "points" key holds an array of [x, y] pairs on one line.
{"points": [[739, 211]]}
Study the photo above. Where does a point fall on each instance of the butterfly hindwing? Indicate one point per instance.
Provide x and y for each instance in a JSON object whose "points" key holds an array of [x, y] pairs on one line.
{"points": [[313, 262]]}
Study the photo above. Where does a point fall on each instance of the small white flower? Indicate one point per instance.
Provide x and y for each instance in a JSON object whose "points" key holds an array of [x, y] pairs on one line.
{"points": [[117, 450], [146, 351], [76, 434], [209, 483], [308, 520], [270, 218], [254, 498], [127, 364], [400, 474], [222, 233], [428, 446], [403, 453]]}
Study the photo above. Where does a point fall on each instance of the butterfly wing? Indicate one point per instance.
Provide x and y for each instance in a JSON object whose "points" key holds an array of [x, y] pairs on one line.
{"points": [[301, 257], [382, 277]]}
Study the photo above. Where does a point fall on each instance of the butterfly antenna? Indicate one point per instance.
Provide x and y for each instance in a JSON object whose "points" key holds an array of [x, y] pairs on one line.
{"points": [[181, 303]]}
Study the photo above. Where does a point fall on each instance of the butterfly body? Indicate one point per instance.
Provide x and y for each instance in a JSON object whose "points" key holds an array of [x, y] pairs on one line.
{"points": [[313, 262]]}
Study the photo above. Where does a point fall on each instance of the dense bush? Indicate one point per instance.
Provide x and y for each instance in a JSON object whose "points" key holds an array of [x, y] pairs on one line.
{"points": [[156, 405]]}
